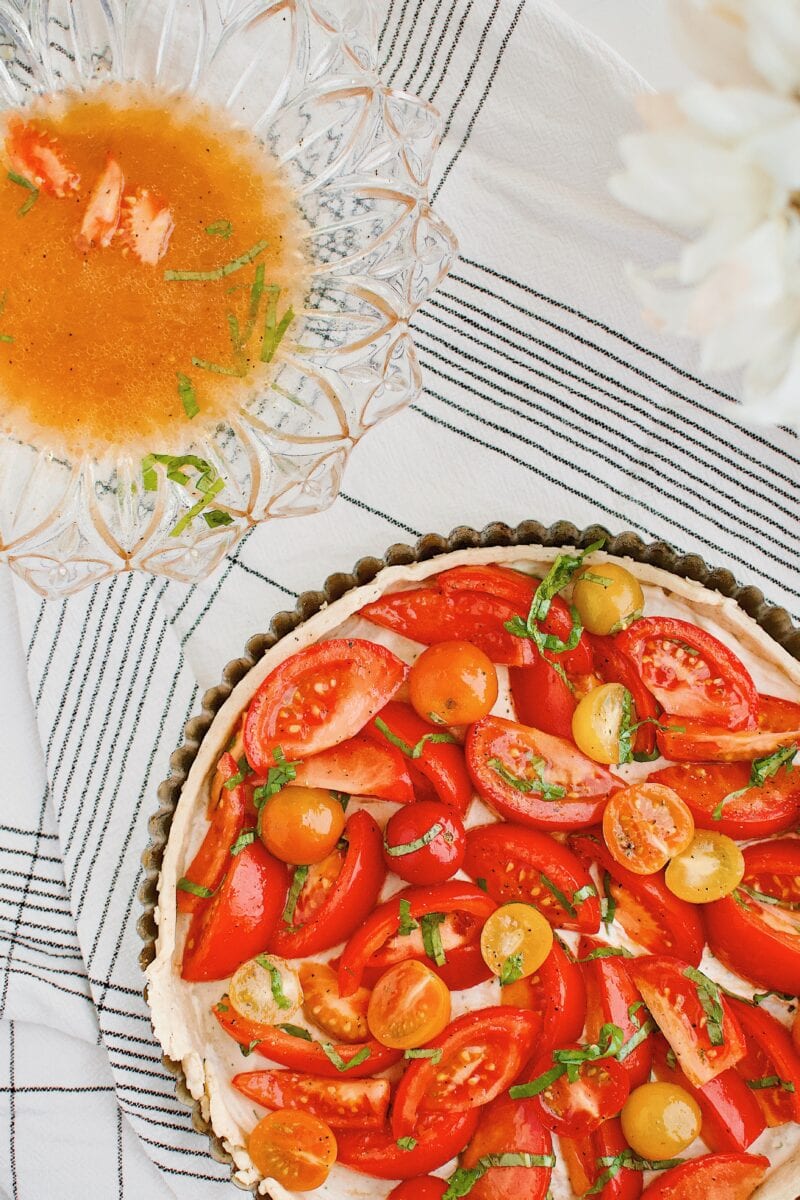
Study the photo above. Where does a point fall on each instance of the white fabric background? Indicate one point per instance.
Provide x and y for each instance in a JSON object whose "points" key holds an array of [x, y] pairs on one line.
{"points": [[545, 397]]}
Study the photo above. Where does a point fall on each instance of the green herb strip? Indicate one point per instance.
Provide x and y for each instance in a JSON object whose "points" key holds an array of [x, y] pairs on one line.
{"points": [[556, 578], [434, 1055], [418, 844], [770, 1081], [21, 181], [335, 1057], [708, 994], [610, 1042], [432, 938], [298, 880], [608, 905], [246, 1051], [238, 371], [244, 770], [236, 264], [187, 395], [511, 970], [406, 1143], [245, 838], [627, 1160], [761, 769], [222, 229], [764, 898], [556, 892], [404, 747], [207, 483], [548, 791], [276, 981], [462, 1181], [194, 889], [277, 778], [606, 952], [296, 1031], [407, 923], [274, 330]]}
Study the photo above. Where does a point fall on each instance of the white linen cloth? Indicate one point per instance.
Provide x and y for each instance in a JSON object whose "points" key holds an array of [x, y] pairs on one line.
{"points": [[545, 396]]}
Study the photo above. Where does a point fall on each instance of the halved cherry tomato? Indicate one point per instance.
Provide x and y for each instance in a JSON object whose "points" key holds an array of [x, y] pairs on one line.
{"points": [[756, 938], [441, 763], [359, 767], [577, 1107], [660, 1120], [645, 825], [675, 1003], [510, 1127], [613, 665], [460, 937], [483, 1052], [409, 1005], [612, 999], [101, 215], [321, 696], [240, 918], [691, 673], [758, 811], [298, 1054], [731, 1117], [778, 725], [584, 1157], [452, 683], [523, 864], [265, 989], [534, 778], [341, 1103], [146, 226], [209, 863], [342, 1017], [386, 921], [347, 903], [429, 1188], [721, 1176], [709, 868], [644, 906], [515, 941], [438, 1137], [37, 157], [424, 842], [557, 993], [771, 1062], [543, 698], [301, 825]]}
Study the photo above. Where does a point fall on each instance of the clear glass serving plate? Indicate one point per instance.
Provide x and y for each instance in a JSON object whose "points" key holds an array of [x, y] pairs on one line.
{"points": [[302, 75]]}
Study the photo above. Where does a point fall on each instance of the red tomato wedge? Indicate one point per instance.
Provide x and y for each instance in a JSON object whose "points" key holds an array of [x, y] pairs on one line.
{"points": [[511, 1127], [101, 215], [441, 763], [438, 1138], [695, 741], [732, 1119], [611, 998], [300, 1055], [760, 939], [482, 1054], [717, 1176], [460, 937], [643, 904], [678, 1004], [214, 856], [576, 1107], [690, 672], [534, 778], [359, 767], [542, 698], [429, 1188], [352, 897], [523, 864], [239, 920], [37, 157], [341, 1103], [771, 808], [771, 1062], [613, 665], [387, 919], [583, 1156], [557, 993], [318, 698]]}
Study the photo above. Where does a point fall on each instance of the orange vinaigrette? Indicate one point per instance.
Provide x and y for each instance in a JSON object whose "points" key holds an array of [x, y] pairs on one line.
{"points": [[97, 346]]}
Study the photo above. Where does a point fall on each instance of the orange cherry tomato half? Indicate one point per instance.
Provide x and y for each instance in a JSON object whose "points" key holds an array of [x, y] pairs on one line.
{"points": [[295, 1149], [453, 683], [409, 1005], [645, 825]]}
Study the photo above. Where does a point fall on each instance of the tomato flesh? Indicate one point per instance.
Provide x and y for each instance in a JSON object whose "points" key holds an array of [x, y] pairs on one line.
{"points": [[429, 1188], [583, 1156], [557, 993], [359, 767], [778, 724], [721, 1176], [510, 1126], [209, 863], [542, 698], [611, 998], [577, 1107], [343, 1018], [771, 1055], [438, 1138], [294, 1148], [440, 765], [645, 825], [341, 1103], [758, 811]]}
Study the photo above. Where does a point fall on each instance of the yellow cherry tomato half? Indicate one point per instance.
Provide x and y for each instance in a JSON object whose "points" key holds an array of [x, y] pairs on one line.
{"points": [[409, 1005], [660, 1120], [607, 597], [646, 825], [294, 1148], [597, 723], [301, 825], [265, 989], [515, 941], [710, 867], [453, 683]]}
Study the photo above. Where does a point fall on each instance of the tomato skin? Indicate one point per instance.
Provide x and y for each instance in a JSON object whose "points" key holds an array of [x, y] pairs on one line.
{"points": [[578, 1108], [429, 1188], [609, 995], [214, 855], [556, 992], [384, 921], [38, 157], [613, 665], [359, 767], [778, 725], [509, 1126], [439, 1136], [491, 848], [300, 1055], [460, 935], [541, 698], [345, 1020], [581, 1156], [365, 674], [441, 763], [723, 1176], [352, 897], [770, 1051], [587, 783], [662, 922], [760, 811], [341, 1103], [645, 825], [506, 1037], [434, 862], [239, 919]]}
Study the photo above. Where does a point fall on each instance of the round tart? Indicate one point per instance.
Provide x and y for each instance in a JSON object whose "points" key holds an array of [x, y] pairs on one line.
{"points": [[486, 878]]}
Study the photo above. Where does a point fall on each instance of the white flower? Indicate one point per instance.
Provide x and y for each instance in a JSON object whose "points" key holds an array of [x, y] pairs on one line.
{"points": [[721, 162]]}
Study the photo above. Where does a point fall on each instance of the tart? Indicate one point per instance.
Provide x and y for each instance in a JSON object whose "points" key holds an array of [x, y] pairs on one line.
{"points": [[491, 866]]}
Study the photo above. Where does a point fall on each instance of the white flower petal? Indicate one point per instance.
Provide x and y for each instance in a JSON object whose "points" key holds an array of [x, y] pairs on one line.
{"points": [[777, 151], [675, 177], [712, 37], [731, 114], [773, 42]]}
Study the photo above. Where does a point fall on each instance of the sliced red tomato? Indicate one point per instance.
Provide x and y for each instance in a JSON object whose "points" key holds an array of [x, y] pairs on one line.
{"points": [[543, 698], [37, 157], [341, 1103], [440, 763], [351, 898], [438, 1137], [511, 1127], [298, 1054], [690, 672], [460, 936], [643, 904], [778, 726], [556, 992], [146, 226], [534, 778], [613, 665], [778, 715], [389, 919], [429, 1188], [771, 1065], [584, 1156], [576, 1107], [316, 890], [239, 920], [676, 1004], [721, 1176], [101, 215], [611, 998], [524, 864], [760, 939], [732, 1119], [318, 698], [214, 856], [771, 808], [359, 767], [482, 1054]]}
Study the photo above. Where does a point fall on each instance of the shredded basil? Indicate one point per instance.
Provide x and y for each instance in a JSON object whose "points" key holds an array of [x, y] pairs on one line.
{"points": [[298, 880], [418, 844], [609, 1044], [761, 769], [276, 981], [434, 1055], [245, 838], [627, 1160], [207, 483], [21, 181], [708, 994], [482, 884], [432, 938], [335, 1057], [606, 952], [296, 1031], [462, 1181], [585, 893], [602, 580], [277, 778], [406, 1143], [556, 892], [274, 330], [342, 798], [764, 898], [407, 749], [219, 272], [246, 1051], [556, 578], [195, 889], [770, 1081], [222, 229], [608, 905], [511, 970], [187, 395], [548, 791], [407, 923], [244, 770]]}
